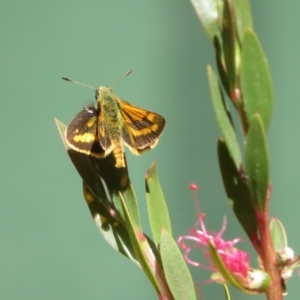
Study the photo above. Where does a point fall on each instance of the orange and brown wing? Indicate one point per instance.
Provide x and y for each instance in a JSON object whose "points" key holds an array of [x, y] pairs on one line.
{"points": [[81, 134], [141, 128]]}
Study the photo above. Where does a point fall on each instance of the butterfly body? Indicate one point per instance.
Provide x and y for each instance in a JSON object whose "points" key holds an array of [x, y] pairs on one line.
{"points": [[110, 124]]}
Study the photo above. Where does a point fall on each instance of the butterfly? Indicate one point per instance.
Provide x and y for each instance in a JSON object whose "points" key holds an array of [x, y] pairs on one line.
{"points": [[112, 123]]}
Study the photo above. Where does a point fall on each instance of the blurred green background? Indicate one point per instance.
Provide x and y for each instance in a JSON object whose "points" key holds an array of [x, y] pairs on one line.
{"points": [[49, 245]]}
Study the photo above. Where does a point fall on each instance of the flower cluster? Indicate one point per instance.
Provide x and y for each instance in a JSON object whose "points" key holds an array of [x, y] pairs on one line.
{"points": [[235, 260]]}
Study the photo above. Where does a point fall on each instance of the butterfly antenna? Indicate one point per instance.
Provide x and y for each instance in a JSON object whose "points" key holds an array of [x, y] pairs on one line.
{"points": [[83, 84], [127, 73]]}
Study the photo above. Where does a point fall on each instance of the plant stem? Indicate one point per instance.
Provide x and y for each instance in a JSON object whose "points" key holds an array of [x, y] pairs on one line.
{"points": [[267, 255]]}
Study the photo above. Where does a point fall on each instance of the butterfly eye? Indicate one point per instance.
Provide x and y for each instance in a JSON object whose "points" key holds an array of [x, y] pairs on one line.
{"points": [[91, 110]]}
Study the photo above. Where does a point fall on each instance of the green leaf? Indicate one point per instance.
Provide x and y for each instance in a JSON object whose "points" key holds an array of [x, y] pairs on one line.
{"points": [[148, 261], [61, 129], [222, 269], [256, 79], [176, 271], [112, 228], [279, 238], [157, 208], [224, 119], [229, 43], [237, 191], [243, 17], [249, 285], [207, 12], [257, 162], [221, 67], [131, 202]]}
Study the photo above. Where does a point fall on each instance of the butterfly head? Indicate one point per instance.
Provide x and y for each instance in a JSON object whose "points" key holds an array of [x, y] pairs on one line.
{"points": [[102, 91]]}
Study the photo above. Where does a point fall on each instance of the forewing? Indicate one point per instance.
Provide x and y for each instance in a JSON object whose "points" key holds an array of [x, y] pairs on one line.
{"points": [[81, 133], [141, 128]]}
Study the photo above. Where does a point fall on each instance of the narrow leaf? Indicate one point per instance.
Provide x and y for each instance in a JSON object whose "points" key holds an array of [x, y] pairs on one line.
{"points": [[222, 269], [131, 202], [237, 191], [176, 271], [147, 259], [61, 129], [257, 161], [229, 42], [157, 208], [243, 17], [279, 238], [208, 15], [113, 229], [256, 79], [223, 118], [249, 286]]}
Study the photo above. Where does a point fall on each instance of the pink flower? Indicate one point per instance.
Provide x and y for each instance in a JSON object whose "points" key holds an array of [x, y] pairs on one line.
{"points": [[235, 260]]}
